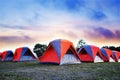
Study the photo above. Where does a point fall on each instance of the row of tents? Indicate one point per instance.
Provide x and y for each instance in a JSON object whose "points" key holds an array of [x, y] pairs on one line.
{"points": [[20, 54], [62, 51]]}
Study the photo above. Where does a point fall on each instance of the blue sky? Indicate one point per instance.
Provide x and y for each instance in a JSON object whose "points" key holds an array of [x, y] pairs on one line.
{"points": [[26, 22]]}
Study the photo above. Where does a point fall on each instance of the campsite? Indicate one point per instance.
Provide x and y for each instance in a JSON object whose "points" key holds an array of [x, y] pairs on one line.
{"points": [[59, 39], [60, 61]]}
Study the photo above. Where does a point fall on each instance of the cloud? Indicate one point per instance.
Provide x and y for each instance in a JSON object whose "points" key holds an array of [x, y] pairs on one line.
{"points": [[105, 33], [74, 4], [97, 15], [15, 39], [70, 34], [117, 32], [18, 27], [43, 19], [34, 13], [13, 26], [69, 5]]}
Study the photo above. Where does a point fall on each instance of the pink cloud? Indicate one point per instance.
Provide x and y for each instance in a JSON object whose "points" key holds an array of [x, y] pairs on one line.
{"points": [[14, 39], [105, 33], [70, 34]]}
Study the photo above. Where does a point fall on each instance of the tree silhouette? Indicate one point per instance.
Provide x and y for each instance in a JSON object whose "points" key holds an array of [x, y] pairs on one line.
{"points": [[39, 49], [112, 48], [80, 44], [118, 48]]}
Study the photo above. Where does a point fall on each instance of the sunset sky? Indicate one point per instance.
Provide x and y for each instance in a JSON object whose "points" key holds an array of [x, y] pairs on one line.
{"points": [[27, 22]]}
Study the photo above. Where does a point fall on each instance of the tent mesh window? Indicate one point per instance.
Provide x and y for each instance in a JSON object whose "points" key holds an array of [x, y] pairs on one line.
{"points": [[69, 52], [27, 53], [10, 55], [83, 52]]}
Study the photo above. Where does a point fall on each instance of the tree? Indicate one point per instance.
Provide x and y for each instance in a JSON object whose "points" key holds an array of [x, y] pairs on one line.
{"points": [[80, 43], [118, 48], [112, 48], [39, 49], [105, 47]]}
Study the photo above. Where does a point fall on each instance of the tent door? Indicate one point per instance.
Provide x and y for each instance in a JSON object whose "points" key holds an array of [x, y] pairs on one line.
{"points": [[69, 58], [112, 60], [118, 60], [98, 59]]}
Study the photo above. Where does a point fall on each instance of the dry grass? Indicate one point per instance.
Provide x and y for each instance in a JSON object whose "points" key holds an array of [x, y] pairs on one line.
{"points": [[36, 71]]}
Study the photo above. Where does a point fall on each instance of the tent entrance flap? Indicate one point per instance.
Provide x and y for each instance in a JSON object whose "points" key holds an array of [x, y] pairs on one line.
{"points": [[98, 59], [69, 58], [118, 60], [10, 55], [112, 60]]}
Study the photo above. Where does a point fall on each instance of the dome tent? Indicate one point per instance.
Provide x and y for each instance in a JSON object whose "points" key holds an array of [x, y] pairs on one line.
{"points": [[60, 52], [108, 55], [116, 56], [23, 54], [90, 53], [7, 55]]}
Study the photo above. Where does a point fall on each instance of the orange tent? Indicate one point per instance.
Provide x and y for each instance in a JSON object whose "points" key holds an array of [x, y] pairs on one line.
{"points": [[0, 56], [108, 55], [60, 52], [116, 55], [90, 53], [23, 54], [7, 55]]}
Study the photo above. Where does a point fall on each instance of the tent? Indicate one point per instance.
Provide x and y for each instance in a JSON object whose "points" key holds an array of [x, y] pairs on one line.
{"points": [[116, 55], [108, 55], [90, 53], [60, 52], [7, 55], [23, 54], [0, 56]]}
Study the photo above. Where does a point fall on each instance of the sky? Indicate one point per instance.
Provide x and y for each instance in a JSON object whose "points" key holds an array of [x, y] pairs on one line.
{"points": [[27, 22]]}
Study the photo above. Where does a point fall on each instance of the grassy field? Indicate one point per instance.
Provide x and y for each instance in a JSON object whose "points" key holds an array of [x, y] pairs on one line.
{"points": [[36, 71]]}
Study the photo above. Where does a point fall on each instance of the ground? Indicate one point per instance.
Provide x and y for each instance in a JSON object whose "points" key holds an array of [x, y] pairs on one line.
{"points": [[37, 71]]}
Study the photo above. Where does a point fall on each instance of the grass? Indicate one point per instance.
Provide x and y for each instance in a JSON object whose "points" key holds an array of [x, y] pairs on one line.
{"points": [[12, 76], [36, 71]]}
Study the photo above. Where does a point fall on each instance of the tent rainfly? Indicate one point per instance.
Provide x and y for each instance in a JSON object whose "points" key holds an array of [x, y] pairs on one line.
{"points": [[23, 54], [60, 52]]}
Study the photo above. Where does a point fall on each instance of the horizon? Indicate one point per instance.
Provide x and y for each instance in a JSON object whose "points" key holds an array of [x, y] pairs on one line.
{"points": [[27, 22]]}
